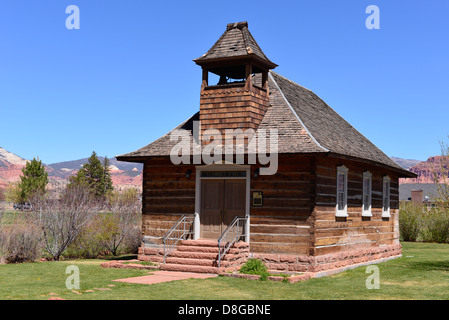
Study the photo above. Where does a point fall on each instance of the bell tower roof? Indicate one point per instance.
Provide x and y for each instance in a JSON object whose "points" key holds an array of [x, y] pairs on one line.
{"points": [[235, 44]]}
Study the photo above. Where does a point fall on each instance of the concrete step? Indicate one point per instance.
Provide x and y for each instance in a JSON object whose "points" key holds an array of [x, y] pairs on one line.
{"points": [[204, 255], [211, 249], [204, 262], [199, 243], [200, 256], [210, 243], [197, 269], [189, 268], [188, 261]]}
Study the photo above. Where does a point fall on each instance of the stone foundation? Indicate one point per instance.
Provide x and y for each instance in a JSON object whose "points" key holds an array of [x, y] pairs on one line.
{"points": [[197, 256], [303, 263], [203, 258]]}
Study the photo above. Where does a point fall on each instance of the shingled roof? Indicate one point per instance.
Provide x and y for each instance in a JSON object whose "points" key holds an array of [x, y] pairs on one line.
{"points": [[235, 42], [305, 124]]}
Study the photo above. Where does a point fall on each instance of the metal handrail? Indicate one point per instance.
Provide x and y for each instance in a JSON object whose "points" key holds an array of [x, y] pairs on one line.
{"points": [[179, 231], [233, 233]]}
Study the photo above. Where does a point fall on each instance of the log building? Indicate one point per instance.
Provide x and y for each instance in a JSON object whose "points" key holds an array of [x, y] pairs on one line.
{"points": [[332, 201]]}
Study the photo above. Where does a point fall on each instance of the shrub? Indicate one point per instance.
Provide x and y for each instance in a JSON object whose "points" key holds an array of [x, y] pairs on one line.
{"points": [[255, 266], [13, 193], [410, 221], [122, 221], [89, 243], [435, 226], [63, 217], [103, 236], [132, 240], [20, 241]]}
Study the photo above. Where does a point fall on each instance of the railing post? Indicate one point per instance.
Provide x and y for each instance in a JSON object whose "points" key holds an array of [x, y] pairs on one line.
{"points": [[196, 226], [176, 234], [247, 228], [164, 241], [234, 230]]}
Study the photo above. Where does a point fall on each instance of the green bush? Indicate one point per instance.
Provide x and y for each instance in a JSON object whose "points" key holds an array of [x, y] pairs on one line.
{"points": [[435, 226], [419, 223], [90, 242], [103, 236], [255, 266], [410, 221]]}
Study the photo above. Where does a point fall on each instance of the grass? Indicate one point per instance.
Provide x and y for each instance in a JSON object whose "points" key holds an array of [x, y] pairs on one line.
{"points": [[10, 216], [421, 273]]}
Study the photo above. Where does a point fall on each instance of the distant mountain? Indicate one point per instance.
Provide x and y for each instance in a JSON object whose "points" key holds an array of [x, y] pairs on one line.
{"points": [[405, 163], [8, 158], [123, 174], [128, 174], [427, 169], [10, 167], [77, 164]]}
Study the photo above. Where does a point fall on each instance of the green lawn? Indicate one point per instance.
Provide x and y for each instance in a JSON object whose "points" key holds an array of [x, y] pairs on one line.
{"points": [[422, 273]]}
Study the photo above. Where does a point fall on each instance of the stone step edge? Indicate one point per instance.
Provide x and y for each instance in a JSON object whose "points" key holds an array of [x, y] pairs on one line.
{"points": [[198, 269], [186, 248], [204, 255], [210, 243], [156, 251], [200, 262]]}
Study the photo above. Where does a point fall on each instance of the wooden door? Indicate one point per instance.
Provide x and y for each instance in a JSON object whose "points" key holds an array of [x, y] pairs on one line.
{"points": [[221, 201], [211, 208], [234, 203]]}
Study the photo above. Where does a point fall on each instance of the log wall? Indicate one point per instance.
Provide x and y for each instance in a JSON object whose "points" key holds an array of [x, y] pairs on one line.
{"points": [[332, 234], [298, 212], [167, 195], [282, 225]]}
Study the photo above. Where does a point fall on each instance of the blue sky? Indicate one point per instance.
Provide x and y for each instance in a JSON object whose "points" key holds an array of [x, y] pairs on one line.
{"points": [[127, 77]]}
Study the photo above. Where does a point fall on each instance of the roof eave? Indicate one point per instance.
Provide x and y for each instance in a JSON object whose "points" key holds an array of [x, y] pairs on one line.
{"points": [[202, 61], [403, 173], [138, 159]]}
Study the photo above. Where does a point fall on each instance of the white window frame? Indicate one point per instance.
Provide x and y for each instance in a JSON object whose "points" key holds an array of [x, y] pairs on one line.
{"points": [[386, 196], [367, 192], [342, 170]]}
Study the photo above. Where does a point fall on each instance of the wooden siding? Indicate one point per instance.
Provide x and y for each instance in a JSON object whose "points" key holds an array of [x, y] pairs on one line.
{"points": [[282, 225], [167, 195], [298, 212], [235, 107], [332, 234]]}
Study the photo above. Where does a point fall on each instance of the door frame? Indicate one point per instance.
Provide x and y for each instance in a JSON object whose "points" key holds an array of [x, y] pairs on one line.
{"points": [[221, 167]]}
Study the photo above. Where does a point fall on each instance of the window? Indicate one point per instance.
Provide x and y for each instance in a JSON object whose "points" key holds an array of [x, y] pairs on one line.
{"points": [[366, 207], [342, 192], [223, 174], [386, 197]]}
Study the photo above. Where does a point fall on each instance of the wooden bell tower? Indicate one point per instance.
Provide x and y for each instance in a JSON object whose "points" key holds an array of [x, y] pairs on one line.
{"points": [[240, 99]]}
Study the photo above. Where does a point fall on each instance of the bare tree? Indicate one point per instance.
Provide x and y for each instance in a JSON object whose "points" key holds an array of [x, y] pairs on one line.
{"points": [[20, 240], [122, 218], [440, 171], [62, 216]]}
